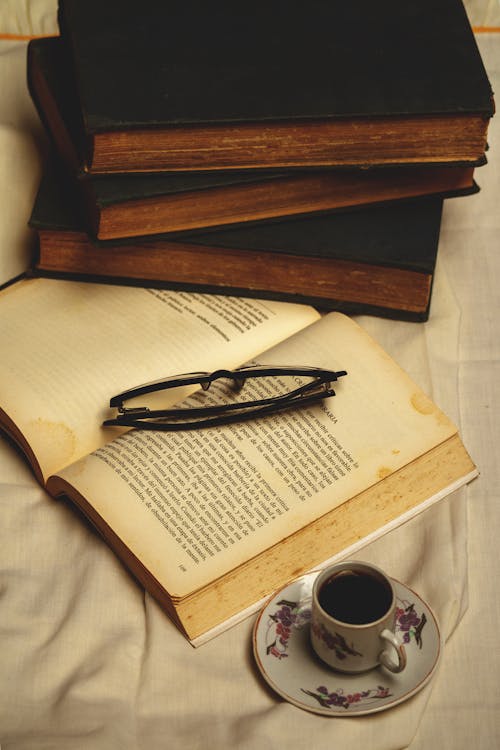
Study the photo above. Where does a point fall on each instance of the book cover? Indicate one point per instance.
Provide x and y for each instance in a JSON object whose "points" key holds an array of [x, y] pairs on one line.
{"points": [[376, 260], [132, 205], [282, 83]]}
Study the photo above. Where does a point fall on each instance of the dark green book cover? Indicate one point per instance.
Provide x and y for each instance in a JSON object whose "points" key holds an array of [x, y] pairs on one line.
{"points": [[404, 234], [48, 59], [193, 61], [53, 91], [347, 260]]}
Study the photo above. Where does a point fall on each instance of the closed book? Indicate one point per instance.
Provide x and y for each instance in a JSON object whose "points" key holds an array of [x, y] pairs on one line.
{"points": [[119, 206], [195, 85], [376, 260]]}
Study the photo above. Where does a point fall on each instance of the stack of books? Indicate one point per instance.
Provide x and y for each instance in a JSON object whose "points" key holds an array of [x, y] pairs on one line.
{"points": [[280, 151]]}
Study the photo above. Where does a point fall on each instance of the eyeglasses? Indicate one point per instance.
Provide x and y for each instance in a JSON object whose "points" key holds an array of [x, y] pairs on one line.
{"points": [[268, 390]]}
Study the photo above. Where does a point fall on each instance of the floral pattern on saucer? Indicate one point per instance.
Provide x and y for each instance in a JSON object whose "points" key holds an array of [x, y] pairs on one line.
{"points": [[340, 698], [409, 624], [287, 662], [281, 623]]}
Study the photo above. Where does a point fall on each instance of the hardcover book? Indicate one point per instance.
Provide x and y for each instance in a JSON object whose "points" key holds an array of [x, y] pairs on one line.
{"points": [[377, 260], [212, 521], [118, 206], [195, 85]]}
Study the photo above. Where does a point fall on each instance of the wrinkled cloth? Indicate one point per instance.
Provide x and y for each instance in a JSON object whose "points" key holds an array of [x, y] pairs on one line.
{"points": [[28, 17]]}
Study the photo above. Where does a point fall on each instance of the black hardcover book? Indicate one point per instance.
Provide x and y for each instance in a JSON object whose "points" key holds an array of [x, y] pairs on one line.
{"points": [[120, 206], [377, 260], [197, 85]]}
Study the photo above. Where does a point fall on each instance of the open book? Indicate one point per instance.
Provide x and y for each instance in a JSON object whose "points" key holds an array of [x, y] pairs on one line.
{"points": [[212, 521]]}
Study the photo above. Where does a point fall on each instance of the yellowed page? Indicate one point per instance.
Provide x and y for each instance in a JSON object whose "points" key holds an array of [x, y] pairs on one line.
{"points": [[192, 506], [67, 347]]}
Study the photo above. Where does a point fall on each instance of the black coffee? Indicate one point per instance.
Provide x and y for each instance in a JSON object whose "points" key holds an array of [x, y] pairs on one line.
{"points": [[355, 598]]}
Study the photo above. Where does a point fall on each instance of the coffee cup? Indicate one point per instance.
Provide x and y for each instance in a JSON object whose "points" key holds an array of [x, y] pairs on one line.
{"points": [[353, 616]]}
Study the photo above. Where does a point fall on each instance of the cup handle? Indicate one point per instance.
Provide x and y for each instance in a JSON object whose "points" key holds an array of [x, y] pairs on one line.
{"points": [[385, 656]]}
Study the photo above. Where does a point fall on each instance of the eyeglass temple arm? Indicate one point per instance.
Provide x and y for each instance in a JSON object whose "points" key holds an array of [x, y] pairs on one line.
{"points": [[299, 396], [225, 417]]}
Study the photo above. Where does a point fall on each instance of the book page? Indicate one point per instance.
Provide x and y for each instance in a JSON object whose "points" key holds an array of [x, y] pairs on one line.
{"points": [[194, 505], [68, 347]]}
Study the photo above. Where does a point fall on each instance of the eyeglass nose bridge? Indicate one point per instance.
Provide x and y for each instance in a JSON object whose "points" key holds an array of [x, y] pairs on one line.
{"points": [[238, 380]]}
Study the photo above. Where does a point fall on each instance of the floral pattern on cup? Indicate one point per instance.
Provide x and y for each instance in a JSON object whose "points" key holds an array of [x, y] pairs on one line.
{"points": [[335, 642], [338, 698], [409, 625]]}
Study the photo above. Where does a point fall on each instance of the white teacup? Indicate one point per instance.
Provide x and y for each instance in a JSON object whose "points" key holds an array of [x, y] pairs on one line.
{"points": [[353, 618]]}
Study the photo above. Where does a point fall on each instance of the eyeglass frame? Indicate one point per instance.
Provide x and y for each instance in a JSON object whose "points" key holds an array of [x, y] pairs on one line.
{"points": [[317, 389]]}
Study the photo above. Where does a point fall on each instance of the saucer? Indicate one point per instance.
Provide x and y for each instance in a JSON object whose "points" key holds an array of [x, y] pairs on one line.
{"points": [[287, 662]]}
